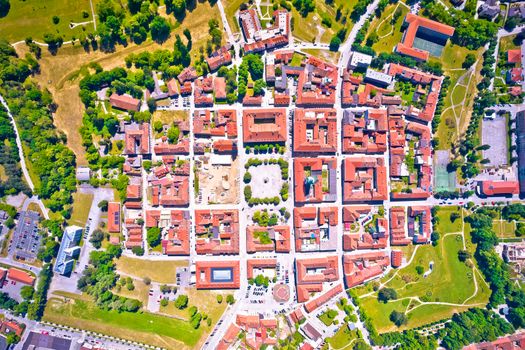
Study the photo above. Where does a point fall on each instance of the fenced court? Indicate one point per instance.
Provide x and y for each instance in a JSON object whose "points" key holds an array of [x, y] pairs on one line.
{"points": [[443, 180]]}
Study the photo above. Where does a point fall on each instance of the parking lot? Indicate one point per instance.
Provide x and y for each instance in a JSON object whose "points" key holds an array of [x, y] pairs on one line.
{"points": [[494, 133], [26, 239]]}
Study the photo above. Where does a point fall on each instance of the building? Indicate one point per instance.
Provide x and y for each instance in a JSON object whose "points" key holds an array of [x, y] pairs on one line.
{"points": [[410, 225], [83, 174], [311, 273], [259, 39], [220, 123], [510, 342], [175, 228], [520, 142], [397, 258], [360, 60], [363, 267], [378, 78], [315, 229], [316, 85], [264, 125], [188, 74], [419, 31], [219, 58], [315, 131], [497, 188], [41, 341], [315, 180], [268, 239], [365, 132], [217, 231], [124, 102], [69, 250], [364, 227], [364, 180], [114, 218], [222, 274], [137, 139], [20, 276]]}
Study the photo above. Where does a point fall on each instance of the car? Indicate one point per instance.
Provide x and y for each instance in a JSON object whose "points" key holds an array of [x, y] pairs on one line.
{"points": [[44, 333]]}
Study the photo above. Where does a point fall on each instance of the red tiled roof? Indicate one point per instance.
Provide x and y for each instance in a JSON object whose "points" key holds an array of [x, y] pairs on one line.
{"points": [[114, 217], [204, 270], [20, 276], [355, 236], [359, 268], [364, 179], [219, 87], [252, 264], [315, 130], [414, 22], [264, 125], [125, 102], [514, 56], [397, 257], [279, 235], [315, 167], [365, 133], [499, 188], [217, 231]]}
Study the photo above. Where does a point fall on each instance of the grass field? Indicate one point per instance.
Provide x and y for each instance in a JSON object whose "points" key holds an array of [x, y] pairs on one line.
{"points": [[33, 18], [445, 224], [81, 205], [450, 281], [343, 338], [143, 327], [389, 33], [204, 300], [61, 73], [161, 271], [329, 56], [458, 102], [167, 117], [141, 291]]}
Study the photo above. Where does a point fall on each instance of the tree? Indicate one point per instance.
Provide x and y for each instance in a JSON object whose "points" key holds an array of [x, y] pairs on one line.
{"points": [[181, 302], [146, 280], [139, 251], [386, 294], [103, 205], [463, 255], [219, 298], [173, 134], [157, 126], [398, 318], [153, 236], [56, 19], [26, 292], [160, 29], [230, 299], [164, 302], [420, 270], [12, 338], [96, 238], [335, 43], [4, 7], [165, 289], [470, 59]]}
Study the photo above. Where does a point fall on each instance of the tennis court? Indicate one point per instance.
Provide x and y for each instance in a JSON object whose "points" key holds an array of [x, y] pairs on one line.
{"points": [[443, 180], [433, 48]]}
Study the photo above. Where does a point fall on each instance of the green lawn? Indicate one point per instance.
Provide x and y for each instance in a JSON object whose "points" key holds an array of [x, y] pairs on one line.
{"points": [[445, 224], [450, 281], [144, 327], [33, 18], [504, 229], [161, 271], [343, 337], [389, 33], [81, 205]]}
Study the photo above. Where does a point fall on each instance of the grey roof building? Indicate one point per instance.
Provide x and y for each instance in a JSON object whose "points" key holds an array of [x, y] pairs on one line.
{"points": [[69, 250]]}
